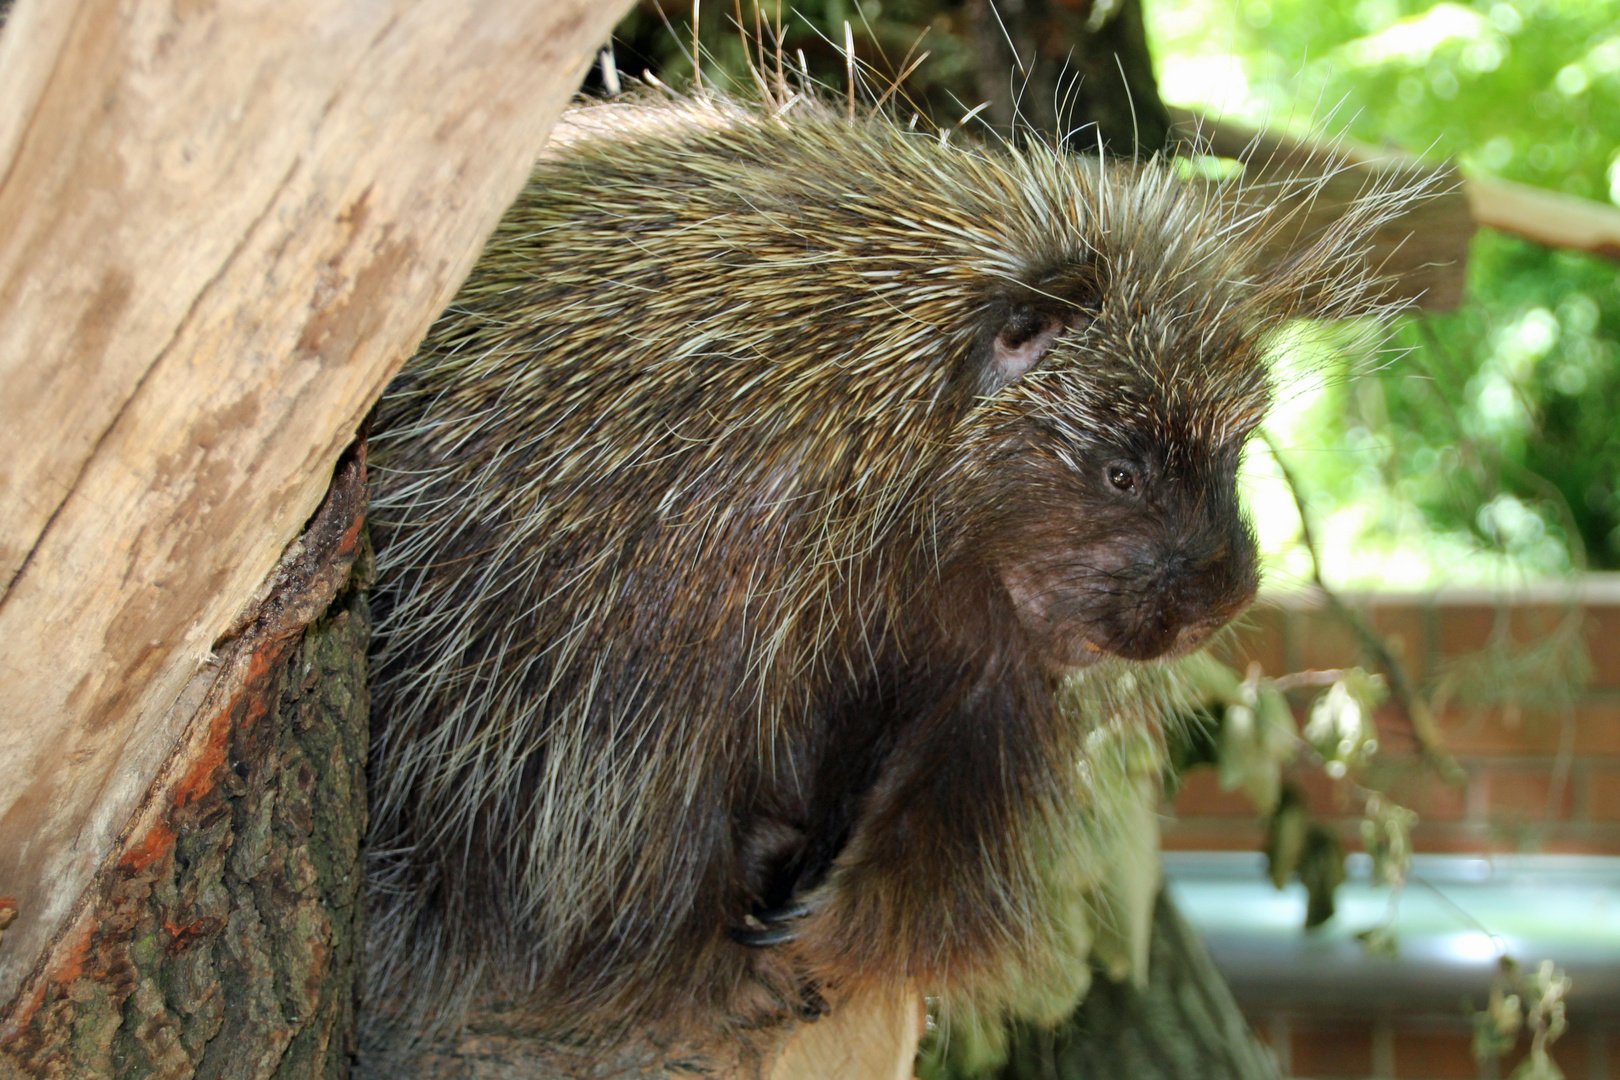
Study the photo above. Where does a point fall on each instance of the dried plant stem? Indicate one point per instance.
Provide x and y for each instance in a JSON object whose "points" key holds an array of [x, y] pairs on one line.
{"points": [[1425, 729]]}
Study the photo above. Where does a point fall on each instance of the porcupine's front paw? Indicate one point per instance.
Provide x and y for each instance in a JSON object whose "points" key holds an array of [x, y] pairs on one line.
{"points": [[781, 925]]}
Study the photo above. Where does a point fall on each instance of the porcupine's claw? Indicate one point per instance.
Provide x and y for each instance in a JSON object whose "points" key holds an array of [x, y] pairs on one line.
{"points": [[760, 939], [776, 926]]}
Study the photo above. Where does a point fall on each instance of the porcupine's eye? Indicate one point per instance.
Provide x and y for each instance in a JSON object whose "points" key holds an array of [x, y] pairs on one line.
{"points": [[1122, 478]]}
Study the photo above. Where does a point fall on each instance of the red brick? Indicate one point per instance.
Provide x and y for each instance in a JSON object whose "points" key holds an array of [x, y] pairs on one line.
{"points": [[1212, 834], [1417, 787], [1201, 796], [1434, 1056], [1448, 838], [1532, 622], [1395, 736], [1464, 628], [1603, 794], [1331, 1050], [1525, 795], [1324, 797], [1322, 641], [1603, 642], [1442, 839], [1445, 839], [1258, 636], [1582, 841], [1404, 628], [1500, 731], [1597, 725]]}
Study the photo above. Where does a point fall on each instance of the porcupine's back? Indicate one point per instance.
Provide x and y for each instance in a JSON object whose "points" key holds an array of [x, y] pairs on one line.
{"points": [[664, 481]]}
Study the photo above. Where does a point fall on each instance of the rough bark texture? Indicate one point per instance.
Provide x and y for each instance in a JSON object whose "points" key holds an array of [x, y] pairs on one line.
{"points": [[495, 1046], [1184, 1025], [224, 941], [865, 1039]]}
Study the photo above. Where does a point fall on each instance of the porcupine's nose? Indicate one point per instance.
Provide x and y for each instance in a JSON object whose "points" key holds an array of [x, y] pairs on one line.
{"points": [[1186, 604], [1213, 592]]}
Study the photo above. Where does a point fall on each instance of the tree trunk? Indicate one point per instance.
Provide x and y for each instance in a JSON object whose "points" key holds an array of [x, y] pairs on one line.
{"points": [[223, 226], [1071, 70], [868, 1038], [1183, 1025], [224, 942]]}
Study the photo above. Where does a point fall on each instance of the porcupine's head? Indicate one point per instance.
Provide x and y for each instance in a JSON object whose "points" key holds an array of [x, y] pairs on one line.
{"points": [[1124, 376]]}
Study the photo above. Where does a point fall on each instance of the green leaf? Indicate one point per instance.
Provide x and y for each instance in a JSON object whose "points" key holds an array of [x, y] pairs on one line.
{"points": [[1386, 834], [1380, 940], [1321, 870], [1285, 836]]}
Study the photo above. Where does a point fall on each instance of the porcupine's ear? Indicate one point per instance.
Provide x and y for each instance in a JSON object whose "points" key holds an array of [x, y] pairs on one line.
{"points": [[1025, 326], [1020, 344], [1023, 337]]}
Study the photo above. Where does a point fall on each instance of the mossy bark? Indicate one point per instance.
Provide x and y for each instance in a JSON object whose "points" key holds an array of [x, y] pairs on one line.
{"points": [[224, 942], [1183, 1025]]}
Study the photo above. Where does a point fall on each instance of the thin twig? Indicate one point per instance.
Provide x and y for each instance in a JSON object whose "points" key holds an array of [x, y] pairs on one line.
{"points": [[1297, 679], [697, 66], [1431, 743]]}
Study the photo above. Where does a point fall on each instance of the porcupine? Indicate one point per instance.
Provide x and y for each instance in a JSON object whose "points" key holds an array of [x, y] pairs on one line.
{"points": [[737, 522]]}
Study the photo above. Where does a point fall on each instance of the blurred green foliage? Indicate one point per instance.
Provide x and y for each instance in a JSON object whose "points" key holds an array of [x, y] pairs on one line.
{"points": [[1497, 430]]}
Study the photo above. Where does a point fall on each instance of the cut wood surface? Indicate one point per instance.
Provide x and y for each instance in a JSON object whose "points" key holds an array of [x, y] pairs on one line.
{"points": [[1424, 251], [223, 939], [1547, 217], [866, 1038], [222, 228]]}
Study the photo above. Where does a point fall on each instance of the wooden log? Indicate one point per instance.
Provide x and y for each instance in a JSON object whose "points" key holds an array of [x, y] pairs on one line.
{"points": [[1424, 251], [1547, 217], [864, 1037], [869, 1038], [222, 228]]}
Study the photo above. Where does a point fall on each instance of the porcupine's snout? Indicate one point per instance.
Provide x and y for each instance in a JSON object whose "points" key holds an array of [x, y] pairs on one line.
{"points": [[1180, 613], [1171, 601], [1128, 558]]}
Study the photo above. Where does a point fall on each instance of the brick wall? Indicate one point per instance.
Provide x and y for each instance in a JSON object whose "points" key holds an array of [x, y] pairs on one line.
{"points": [[1417, 1048], [1540, 745], [1543, 773]]}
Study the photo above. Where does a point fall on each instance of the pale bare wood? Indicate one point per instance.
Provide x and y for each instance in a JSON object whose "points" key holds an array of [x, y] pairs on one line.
{"points": [[1547, 217], [222, 227], [1552, 218], [865, 1038]]}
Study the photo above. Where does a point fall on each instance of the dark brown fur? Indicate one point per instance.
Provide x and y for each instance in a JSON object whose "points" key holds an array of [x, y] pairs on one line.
{"points": [[736, 525]]}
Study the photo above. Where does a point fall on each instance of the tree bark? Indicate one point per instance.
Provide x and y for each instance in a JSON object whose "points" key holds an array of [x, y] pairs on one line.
{"points": [[1183, 1025], [224, 942], [868, 1038]]}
